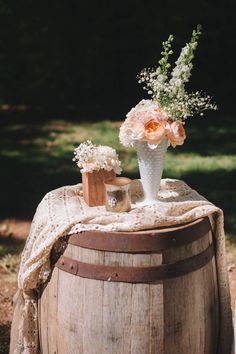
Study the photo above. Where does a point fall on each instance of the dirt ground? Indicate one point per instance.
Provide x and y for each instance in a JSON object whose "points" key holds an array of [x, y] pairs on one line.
{"points": [[17, 232], [8, 288], [12, 237]]}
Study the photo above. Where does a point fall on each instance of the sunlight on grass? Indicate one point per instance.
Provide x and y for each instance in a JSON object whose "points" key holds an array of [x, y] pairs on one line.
{"points": [[42, 156], [59, 138], [106, 133], [178, 164]]}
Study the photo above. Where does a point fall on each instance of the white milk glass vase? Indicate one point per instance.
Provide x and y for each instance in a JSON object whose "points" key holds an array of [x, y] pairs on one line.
{"points": [[151, 164]]}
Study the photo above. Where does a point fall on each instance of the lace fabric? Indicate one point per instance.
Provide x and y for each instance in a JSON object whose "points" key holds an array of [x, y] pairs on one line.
{"points": [[63, 212]]}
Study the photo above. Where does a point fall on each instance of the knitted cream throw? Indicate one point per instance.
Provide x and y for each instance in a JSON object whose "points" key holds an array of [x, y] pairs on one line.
{"points": [[63, 211]]}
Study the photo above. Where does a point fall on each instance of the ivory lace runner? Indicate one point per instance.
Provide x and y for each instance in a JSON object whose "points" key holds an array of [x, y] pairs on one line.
{"points": [[63, 211]]}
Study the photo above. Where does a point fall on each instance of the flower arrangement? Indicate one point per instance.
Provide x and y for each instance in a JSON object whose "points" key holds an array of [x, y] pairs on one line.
{"points": [[90, 157], [164, 115]]}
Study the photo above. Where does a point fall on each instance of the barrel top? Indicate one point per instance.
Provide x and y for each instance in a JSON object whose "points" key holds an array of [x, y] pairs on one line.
{"points": [[157, 239]]}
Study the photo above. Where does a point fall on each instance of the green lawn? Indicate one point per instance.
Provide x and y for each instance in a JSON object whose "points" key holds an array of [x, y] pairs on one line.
{"points": [[37, 157]]}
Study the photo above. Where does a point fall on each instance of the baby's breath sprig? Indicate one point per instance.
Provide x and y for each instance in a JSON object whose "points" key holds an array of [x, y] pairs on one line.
{"points": [[90, 157], [154, 78]]}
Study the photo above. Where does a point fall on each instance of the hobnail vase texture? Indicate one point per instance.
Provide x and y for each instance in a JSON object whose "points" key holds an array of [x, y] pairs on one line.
{"points": [[151, 163]]}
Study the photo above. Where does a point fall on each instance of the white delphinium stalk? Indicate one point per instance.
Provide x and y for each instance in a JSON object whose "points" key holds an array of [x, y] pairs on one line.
{"points": [[155, 78], [182, 71], [168, 89]]}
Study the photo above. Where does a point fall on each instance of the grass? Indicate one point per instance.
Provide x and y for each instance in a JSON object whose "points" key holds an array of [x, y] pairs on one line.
{"points": [[10, 264], [37, 157], [10, 249]]}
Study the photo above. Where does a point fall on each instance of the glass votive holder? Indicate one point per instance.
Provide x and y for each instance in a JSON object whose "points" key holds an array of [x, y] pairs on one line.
{"points": [[118, 197]]}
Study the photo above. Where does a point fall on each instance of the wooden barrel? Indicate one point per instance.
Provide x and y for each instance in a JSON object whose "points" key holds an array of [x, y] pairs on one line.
{"points": [[147, 292]]}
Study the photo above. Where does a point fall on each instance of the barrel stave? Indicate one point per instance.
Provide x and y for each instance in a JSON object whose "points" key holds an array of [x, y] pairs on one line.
{"points": [[93, 316]]}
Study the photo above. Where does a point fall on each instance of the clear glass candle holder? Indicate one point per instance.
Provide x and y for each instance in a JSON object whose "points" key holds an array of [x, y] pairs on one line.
{"points": [[118, 197]]}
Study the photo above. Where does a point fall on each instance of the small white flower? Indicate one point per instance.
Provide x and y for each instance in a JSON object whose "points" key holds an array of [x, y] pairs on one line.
{"points": [[90, 157]]}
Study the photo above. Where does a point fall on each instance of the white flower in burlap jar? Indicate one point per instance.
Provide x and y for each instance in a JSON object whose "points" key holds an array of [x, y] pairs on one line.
{"points": [[153, 125], [97, 163]]}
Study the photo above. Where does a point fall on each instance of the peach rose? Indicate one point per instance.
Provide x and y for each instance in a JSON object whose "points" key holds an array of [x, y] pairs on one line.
{"points": [[154, 131], [145, 122], [175, 133]]}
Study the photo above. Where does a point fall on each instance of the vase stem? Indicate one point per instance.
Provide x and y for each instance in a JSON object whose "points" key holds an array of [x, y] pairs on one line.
{"points": [[151, 163]]}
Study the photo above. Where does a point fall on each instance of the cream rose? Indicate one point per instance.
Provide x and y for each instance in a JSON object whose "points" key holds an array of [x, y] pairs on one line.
{"points": [[145, 122], [175, 133]]}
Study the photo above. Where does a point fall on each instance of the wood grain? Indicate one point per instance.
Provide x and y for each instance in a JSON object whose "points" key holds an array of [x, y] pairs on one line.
{"points": [[93, 186], [87, 316]]}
